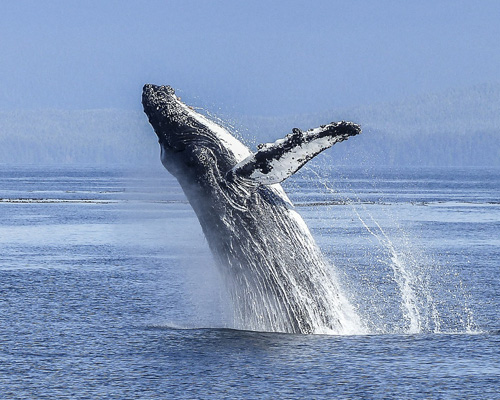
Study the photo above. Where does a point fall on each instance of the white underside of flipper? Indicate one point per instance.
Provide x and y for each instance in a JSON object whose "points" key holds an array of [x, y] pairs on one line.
{"points": [[274, 162]]}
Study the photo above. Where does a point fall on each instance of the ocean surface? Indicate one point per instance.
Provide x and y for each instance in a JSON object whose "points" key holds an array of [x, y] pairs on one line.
{"points": [[108, 289]]}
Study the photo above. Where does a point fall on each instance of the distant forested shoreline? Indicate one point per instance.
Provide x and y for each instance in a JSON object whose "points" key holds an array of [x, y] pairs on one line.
{"points": [[455, 128]]}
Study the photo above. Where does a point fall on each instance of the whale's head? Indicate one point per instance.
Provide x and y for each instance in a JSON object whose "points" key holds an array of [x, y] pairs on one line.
{"points": [[187, 135], [168, 116]]}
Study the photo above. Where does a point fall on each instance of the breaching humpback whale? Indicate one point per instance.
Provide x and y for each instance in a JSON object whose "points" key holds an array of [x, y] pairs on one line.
{"points": [[276, 274]]}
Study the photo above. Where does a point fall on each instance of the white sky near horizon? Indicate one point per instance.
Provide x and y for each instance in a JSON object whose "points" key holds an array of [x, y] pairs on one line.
{"points": [[255, 58]]}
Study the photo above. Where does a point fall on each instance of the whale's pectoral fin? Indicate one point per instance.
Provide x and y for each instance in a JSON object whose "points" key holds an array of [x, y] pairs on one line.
{"points": [[274, 162]]}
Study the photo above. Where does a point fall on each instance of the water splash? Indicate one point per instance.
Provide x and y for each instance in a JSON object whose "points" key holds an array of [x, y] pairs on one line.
{"points": [[411, 272], [403, 267]]}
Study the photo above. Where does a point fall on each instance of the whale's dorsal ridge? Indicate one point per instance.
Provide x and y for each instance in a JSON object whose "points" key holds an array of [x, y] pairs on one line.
{"points": [[274, 162]]}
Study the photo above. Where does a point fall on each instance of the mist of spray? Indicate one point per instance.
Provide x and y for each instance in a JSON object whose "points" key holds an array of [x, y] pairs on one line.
{"points": [[410, 273]]}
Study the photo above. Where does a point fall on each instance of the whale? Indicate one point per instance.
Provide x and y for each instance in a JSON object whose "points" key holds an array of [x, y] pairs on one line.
{"points": [[276, 275]]}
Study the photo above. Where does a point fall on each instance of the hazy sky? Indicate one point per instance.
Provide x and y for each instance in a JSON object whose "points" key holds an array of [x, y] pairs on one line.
{"points": [[254, 57]]}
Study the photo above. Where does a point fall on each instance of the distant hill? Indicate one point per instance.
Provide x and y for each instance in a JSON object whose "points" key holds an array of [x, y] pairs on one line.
{"points": [[76, 137], [454, 128]]}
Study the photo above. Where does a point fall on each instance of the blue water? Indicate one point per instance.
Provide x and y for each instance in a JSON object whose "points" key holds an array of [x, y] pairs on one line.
{"points": [[108, 289]]}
